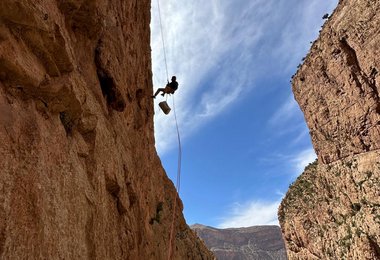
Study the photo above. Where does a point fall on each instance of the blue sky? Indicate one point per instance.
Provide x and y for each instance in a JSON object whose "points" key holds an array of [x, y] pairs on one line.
{"points": [[244, 138]]}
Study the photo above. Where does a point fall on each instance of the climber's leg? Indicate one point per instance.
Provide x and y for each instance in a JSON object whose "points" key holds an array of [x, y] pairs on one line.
{"points": [[158, 91], [167, 90]]}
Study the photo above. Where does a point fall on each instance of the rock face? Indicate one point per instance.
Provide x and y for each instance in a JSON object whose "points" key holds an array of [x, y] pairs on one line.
{"points": [[337, 87], [80, 177], [332, 211], [260, 242]]}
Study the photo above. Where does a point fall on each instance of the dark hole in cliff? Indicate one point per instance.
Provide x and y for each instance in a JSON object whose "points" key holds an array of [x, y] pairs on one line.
{"points": [[112, 187], [157, 217], [356, 207], [110, 92], [336, 52], [107, 83], [374, 246], [352, 59], [66, 122], [373, 73]]}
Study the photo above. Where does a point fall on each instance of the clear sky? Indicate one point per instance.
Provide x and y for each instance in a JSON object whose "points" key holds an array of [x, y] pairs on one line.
{"points": [[244, 138]]}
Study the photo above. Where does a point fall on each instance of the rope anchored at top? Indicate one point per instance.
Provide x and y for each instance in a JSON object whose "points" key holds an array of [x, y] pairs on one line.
{"points": [[163, 41], [171, 238]]}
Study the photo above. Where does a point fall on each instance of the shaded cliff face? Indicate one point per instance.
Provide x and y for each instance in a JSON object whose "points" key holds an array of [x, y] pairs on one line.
{"points": [[80, 177], [260, 242], [332, 211]]}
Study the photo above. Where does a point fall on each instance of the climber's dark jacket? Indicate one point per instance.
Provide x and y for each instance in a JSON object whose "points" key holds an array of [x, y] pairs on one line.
{"points": [[173, 85]]}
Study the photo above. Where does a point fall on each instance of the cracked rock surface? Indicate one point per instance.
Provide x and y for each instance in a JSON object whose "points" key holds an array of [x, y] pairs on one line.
{"points": [[332, 211], [338, 85], [79, 174]]}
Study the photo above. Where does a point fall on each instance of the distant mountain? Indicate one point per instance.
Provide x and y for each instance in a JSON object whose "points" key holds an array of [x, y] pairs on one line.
{"points": [[259, 242]]}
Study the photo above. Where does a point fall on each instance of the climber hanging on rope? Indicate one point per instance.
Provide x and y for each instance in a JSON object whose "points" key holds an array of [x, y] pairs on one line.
{"points": [[169, 89]]}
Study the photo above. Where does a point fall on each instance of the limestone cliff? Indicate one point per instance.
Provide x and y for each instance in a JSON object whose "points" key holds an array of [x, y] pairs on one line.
{"points": [[80, 177], [332, 211]]}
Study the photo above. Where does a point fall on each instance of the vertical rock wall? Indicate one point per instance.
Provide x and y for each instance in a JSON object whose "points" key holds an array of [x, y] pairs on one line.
{"points": [[79, 174], [338, 87], [332, 211]]}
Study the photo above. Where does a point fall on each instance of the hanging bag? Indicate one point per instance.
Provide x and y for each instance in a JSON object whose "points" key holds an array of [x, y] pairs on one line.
{"points": [[165, 107]]}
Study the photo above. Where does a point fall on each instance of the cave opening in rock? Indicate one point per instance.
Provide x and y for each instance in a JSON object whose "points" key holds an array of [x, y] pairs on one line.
{"points": [[110, 92]]}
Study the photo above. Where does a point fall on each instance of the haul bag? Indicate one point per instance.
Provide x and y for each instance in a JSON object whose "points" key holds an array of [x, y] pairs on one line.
{"points": [[165, 107]]}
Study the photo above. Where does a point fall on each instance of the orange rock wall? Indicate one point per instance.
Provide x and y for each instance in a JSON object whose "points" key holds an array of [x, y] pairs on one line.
{"points": [[338, 87], [80, 177], [332, 211]]}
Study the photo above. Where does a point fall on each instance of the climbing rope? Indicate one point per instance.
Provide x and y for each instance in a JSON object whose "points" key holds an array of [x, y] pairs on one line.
{"points": [[179, 142], [163, 41], [178, 184], [179, 150]]}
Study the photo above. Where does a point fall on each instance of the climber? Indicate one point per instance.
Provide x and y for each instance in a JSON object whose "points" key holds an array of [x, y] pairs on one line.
{"points": [[169, 89]]}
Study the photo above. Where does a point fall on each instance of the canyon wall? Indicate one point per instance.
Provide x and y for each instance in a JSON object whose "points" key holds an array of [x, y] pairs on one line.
{"points": [[80, 177], [332, 211]]}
